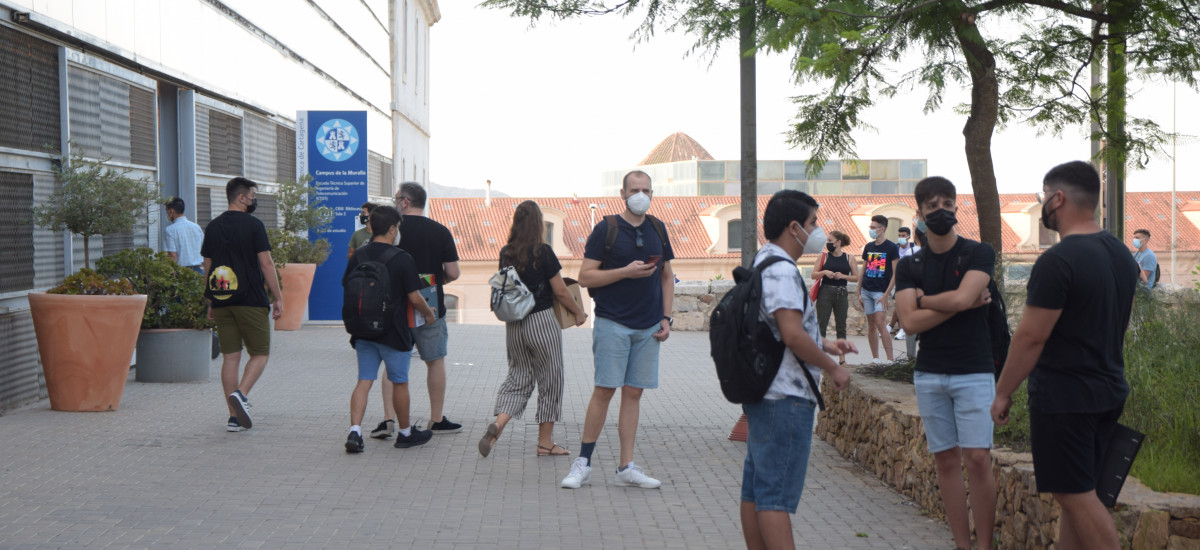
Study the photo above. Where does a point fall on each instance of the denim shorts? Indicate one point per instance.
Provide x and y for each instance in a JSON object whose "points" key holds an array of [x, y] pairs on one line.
{"points": [[624, 356], [371, 354], [956, 409], [871, 302], [777, 449], [431, 340]]}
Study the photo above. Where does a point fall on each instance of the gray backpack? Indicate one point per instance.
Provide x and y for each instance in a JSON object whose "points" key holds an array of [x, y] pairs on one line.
{"points": [[511, 299]]}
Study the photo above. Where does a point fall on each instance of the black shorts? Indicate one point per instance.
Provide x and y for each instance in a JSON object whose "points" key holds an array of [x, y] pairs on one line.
{"points": [[1069, 448]]}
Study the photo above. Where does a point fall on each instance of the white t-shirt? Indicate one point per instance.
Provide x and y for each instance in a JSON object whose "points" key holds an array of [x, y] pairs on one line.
{"points": [[783, 288], [912, 248]]}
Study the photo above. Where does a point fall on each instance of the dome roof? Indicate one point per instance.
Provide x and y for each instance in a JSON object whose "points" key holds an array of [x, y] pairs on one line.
{"points": [[678, 146]]}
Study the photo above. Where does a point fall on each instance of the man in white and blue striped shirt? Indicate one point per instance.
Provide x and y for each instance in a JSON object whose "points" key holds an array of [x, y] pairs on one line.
{"points": [[182, 238]]}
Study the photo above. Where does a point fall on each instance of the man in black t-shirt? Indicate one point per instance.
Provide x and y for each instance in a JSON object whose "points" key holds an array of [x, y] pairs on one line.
{"points": [[879, 258], [432, 248], [941, 293], [1070, 344], [391, 348], [237, 262]]}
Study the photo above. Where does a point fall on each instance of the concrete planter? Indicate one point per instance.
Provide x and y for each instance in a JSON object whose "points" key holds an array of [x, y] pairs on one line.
{"points": [[85, 343], [297, 283], [174, 355]]}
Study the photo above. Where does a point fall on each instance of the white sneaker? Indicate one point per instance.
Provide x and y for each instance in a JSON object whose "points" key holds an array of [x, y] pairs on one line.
{"points": [[581, 474], [633, 476], [900, 335], [877, 361]]}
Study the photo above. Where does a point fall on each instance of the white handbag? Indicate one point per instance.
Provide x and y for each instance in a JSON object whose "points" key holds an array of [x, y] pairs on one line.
{"points": [[511, 299]]}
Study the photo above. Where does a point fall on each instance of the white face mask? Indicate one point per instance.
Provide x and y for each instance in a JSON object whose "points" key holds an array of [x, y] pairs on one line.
{"points": [[638, 203], [396, 239], [816, 241]]}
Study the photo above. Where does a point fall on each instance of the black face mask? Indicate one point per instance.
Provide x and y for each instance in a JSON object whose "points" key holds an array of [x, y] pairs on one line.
{"points": [[362, 218], [1046, 217], [253, 205], [940, 221], [829, 247]]}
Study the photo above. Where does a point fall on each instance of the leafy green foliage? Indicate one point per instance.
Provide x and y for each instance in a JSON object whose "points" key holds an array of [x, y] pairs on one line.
{"points": [[86, 282], [174, 294], [302, 214], [94, 199]]}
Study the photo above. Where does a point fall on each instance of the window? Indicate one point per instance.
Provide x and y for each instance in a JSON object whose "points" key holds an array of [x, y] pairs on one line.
{"points": [[829, 188], [733, 234], [885, 169], [912, 169], [218, 142], [769, 187], [856, 188], [285, 153], [855, 170], [795, 170], [261, 149], [203, 210], [267, 211], [885, 187], [733, 170], [770, 170], [548, 235], [404, 40], [16, 231], [801, 186], [111, 118], [29, 100], [712, 171]]}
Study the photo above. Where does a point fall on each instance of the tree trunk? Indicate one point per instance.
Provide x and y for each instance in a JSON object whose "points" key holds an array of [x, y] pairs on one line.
{"points": [[749, 136], [980, 126], [1117, 149], [86, 258]]}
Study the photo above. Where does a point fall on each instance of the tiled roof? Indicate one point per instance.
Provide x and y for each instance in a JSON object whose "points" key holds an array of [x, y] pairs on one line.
{"points": [[677, 146], [480, 231]]}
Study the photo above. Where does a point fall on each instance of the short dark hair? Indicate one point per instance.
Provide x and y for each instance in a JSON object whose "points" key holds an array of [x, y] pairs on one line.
{"points": [[1145, 232], [370, 206], [415, 194], [1077, 179], [625, 180], [881, 220], [785, 207], [238, 186], [383, 219], [933, 187], [904, 230], [175, 204]]}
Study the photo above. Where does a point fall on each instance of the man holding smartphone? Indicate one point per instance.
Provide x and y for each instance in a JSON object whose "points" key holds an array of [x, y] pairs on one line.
{"points": [[627, 270]]}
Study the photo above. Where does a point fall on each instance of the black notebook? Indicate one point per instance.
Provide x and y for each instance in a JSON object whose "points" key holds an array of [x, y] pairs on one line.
{"points": [[1122, 449]]}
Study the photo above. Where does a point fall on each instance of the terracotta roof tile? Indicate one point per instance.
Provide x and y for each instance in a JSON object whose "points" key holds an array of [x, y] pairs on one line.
{"points": [[678, 146]]}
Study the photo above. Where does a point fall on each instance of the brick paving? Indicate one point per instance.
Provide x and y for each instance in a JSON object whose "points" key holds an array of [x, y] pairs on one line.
{"points": [[162, 471]]}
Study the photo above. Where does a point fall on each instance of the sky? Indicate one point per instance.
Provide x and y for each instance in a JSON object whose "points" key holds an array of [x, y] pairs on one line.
{"points": [[544, 110]]}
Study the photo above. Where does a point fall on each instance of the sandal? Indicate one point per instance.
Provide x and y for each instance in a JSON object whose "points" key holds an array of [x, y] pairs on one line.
{"points": [[489, 439], [553, 450]]}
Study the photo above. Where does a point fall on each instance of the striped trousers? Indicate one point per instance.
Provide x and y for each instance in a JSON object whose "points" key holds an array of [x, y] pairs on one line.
{"points": [[534, 356]]}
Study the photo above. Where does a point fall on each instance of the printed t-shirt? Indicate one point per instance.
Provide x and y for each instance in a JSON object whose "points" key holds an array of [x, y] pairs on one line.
{"points": [[783, 288], [242, 236], [878, 262]]}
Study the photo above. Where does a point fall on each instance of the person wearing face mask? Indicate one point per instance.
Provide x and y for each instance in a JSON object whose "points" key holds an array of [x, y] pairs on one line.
{"points": [[364, 234], [393, 348], [878, 277], [942, 293], [237, 261], [1070, 344], [631, 281], [837, 269], [781, 425], [1145, 258], [908, 247]]}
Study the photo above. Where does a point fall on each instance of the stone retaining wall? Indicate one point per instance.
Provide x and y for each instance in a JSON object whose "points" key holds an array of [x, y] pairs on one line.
{"points": [[876, 424], [695, 300]]}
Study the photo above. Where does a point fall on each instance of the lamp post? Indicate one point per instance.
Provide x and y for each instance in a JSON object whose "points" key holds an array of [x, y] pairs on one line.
{"points": [[1174, 207], [592, 207]]}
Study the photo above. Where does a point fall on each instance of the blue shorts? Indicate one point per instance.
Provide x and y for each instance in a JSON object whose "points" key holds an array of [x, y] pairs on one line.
{"points": [[371, 354], [777, 449], [431, 339], [624, 356], [871, 302], [956, 409]]}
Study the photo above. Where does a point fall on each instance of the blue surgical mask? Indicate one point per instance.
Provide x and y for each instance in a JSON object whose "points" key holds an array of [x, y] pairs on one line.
{"points": [[1137, 243], [921, 225], [903, 241], [873, 233]]}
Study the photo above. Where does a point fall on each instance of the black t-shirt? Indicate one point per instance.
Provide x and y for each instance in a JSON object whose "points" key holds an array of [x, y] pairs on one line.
{"points": [[634, 303], [836, 264], [537, 276], [962, 344], [243, 236], [431, 245], [402, 273], [1091, 278], [878, 262]]}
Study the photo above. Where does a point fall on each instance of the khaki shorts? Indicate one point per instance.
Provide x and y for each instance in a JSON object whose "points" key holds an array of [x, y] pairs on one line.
{"points": [[238, 325]]}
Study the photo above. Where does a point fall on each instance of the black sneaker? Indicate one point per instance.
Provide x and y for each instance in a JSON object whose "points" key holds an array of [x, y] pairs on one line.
{"points": [[384, 430], [233, 425], [241, 408], [354, 443], [445, 426], [417, 437]]}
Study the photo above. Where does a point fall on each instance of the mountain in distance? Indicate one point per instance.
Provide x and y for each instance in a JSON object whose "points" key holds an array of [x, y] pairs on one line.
{"points": [[449, 192]]}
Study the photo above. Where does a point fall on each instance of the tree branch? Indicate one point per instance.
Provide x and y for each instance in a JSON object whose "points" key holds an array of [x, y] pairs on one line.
{"points": [[896, 15], [1052, 4]]}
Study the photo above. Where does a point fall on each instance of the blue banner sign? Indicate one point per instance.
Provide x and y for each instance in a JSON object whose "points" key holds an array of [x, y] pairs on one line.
{"points": [[331, 146]]}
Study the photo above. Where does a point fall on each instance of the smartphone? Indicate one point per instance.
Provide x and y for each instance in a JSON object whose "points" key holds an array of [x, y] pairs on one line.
{"points": [[654, 260]]}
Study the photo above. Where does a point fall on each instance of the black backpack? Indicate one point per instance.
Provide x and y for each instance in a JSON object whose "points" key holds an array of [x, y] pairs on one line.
{"points": [[997, 313], [366, 294], [745, 352]]}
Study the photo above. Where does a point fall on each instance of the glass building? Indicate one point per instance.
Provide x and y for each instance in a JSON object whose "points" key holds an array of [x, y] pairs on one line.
{"points": [[695, 177]]}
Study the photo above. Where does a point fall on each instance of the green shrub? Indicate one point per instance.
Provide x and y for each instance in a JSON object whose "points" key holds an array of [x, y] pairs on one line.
{"points": [[174, 294], [89, 283]]}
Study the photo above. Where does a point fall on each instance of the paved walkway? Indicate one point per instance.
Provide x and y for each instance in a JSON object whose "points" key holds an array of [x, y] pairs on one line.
{"points": [[163, 472]]}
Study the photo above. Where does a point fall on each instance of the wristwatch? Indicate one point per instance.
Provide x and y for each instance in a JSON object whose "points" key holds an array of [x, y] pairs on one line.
{"points": [[670, 320], [919, 301]]}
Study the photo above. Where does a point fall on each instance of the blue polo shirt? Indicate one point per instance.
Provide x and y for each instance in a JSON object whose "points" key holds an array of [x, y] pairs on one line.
{"points": [[634, 303]]}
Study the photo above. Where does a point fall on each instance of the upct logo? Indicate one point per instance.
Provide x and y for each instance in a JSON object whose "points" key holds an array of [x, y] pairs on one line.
{"points": [[337, 140]]}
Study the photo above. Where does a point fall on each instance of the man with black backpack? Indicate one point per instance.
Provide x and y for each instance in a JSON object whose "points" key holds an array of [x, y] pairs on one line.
{"points": [[781, 423], [237, 263], [941, 293], [380, 285]]}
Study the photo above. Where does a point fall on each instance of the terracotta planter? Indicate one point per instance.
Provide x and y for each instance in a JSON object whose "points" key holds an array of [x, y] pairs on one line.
{"points": [[297, 282], [86, 343]]}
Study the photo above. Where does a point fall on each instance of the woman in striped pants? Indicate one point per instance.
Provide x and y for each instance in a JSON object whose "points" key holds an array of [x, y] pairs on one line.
{"points": [[535, 342]]}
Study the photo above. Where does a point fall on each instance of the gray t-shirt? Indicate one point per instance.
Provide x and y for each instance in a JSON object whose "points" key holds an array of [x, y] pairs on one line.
{"points": [[783, 288], [1148, 262]]}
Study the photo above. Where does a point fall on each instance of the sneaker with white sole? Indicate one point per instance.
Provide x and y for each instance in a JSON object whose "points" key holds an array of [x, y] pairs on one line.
{"points": [[633, 476], [241, 409], [384, 430], [581, 474], [233, 425], [877, 361], [900, 334]]}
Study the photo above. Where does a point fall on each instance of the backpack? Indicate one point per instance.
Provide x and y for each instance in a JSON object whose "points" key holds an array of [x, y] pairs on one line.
{"points": [[366, 294], [511, 299], [997, 313], [746, 353], [610, 236]]}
